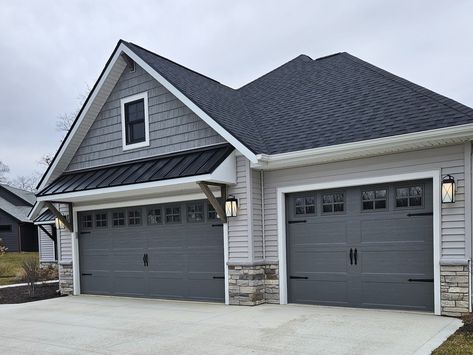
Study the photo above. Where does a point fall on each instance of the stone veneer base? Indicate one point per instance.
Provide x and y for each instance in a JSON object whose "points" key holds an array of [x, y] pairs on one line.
{"points": [[253, 285], [66, 286], [454, 290]]}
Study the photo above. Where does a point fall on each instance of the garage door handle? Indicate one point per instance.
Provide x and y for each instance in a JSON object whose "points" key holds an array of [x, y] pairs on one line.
{"points": [[420, 280], [298, 277], [294, 222], [84, 274], [356, 256], [145, 260], [351, 256], [219, 277]]}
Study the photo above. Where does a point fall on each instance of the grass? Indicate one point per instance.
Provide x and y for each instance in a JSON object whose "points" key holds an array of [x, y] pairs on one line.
{"points": [[461, 342], [10, 266]]}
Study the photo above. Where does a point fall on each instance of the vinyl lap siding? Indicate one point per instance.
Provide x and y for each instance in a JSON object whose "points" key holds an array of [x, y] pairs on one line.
{"points": [[238, 230], [46, 245], [257, 229], [450, 160], [173, 127], [65, 240], [10, 239]]}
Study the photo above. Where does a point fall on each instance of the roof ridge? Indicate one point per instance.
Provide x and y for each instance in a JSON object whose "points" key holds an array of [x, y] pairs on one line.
{"points": [[300, 56], [409, 85]]}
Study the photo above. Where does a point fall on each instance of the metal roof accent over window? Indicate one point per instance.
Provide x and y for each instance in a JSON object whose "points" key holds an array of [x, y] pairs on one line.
{"points": [[183, 164], [46, 216]]}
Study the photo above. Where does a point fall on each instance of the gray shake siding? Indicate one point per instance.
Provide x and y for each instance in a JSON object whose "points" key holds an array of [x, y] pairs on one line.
{"points": [[450, 160], [173, 127]]}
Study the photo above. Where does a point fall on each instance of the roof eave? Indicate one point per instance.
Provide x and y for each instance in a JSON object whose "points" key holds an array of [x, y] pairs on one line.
{"points": [[372, 147]]}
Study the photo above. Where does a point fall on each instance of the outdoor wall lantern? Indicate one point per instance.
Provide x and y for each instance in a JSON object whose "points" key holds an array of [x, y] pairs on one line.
{"points": [[448, 189], [59, 224], [231, 206]]}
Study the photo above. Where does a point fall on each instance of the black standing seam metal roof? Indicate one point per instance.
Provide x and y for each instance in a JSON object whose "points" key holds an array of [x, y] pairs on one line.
{"points": [[46, 216], [183, 164]]}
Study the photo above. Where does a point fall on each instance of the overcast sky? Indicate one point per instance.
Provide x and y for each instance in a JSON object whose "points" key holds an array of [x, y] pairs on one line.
{"points": [[52, 50]]}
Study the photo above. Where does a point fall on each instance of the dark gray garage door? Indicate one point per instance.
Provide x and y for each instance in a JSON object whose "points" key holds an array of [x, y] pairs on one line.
{"points": [[164, 251], [368, 246]]}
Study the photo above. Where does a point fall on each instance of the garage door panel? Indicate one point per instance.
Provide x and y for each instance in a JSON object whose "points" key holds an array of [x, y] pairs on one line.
{"points": [[180, 255], [392, 230], [397, 295], [396, 260], [391, 243], [318, 233]]}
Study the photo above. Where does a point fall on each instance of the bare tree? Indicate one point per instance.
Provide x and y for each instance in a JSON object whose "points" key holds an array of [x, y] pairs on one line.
{"points": [[4, 169], [64, 122], [46, 160], [27, 183]]}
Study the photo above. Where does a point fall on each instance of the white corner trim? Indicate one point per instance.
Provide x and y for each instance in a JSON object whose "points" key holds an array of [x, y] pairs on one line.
{"points": [[435, 175], [141, 96], [340, 151], [191, 105]]}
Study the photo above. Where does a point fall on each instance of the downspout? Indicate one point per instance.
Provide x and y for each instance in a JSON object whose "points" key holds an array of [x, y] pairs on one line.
{"points": [[262, 214]]}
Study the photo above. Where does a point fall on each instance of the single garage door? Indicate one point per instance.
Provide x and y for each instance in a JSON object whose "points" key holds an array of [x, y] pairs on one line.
{"points": [[170, 251], [367, 246]]}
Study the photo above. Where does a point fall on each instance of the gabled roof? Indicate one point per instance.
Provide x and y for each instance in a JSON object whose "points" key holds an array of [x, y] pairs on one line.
{"points": [[303, 104], [45, 217], [18, 212], [27, 196]]}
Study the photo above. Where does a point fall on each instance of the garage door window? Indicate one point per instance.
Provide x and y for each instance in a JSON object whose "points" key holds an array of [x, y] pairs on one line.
{"points": [[411, 196], [211, 213], [173, 214], [305, 205], [374, 200], [5, 228], [154, 216], [195, 213], [101, 220], [86, 221], [134, 217], [118, 219], [333, 203]]}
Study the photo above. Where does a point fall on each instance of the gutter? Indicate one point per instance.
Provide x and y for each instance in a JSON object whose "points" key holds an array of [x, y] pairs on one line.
{"points": [[340, 151]]}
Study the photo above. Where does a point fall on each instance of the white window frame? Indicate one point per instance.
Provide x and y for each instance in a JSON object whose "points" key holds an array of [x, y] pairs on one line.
{"points": [[145, 143]]}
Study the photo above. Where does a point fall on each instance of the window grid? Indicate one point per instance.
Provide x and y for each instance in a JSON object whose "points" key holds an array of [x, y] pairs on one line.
{"points": [[211, 213], [305, 205], [118, 219], [135, 121], [374, 199], [101, 220], [333, 202], [195, 213], [86, 221], [134, 217], [154, 216], [173, 214], [411, 196]]}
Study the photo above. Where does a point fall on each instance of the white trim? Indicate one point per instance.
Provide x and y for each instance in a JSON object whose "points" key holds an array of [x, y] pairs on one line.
{"points": [[85, 110], [435, 175], [145, 143], [372, 146], [144, 202], [44, 223], [75, 254], [225, 260], [191, 105]]}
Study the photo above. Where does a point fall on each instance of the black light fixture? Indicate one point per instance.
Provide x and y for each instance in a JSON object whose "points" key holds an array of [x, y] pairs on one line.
{"points": [[448, 189], [231, 206]]}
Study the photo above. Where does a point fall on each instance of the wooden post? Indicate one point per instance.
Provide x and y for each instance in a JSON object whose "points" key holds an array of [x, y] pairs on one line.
{"points": [[59, 216], [213, 201]]}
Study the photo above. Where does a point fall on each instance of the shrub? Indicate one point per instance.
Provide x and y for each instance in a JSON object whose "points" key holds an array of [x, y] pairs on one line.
{"points": [[31, 273], [3, 247]]}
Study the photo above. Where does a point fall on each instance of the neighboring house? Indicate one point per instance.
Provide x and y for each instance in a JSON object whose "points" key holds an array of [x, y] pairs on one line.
{"points": [[47, 237], [16, 230], [336, 165]]}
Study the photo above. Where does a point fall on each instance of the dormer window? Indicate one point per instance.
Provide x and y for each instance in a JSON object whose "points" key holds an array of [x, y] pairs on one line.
{"points": [[135, 122]]}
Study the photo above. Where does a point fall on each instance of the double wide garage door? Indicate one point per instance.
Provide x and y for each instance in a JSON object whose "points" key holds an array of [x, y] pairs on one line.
{"points": [[162, 251], [368, 246]]}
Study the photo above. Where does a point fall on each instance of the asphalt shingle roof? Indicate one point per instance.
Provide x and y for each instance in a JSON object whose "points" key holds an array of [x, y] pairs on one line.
{"points": [[309, 103]]}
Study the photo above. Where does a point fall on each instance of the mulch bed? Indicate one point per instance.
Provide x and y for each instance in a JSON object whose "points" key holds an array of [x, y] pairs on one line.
{"points": [[461, 342], [20, 294]]}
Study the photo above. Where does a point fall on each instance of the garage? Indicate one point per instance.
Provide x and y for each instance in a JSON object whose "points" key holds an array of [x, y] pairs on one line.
{"points": [[172, 251], [365, 246]]}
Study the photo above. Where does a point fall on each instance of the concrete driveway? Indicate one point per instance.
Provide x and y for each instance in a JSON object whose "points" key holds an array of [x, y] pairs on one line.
{"points": [[106, 325]]}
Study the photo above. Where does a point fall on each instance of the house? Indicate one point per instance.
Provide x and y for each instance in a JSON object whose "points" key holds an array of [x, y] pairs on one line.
{"points": [[16, 230], [350, 186]]}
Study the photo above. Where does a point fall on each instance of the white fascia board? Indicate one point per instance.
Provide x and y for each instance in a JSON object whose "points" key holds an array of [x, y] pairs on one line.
{"points": [[36, 210], [44, 223], [191, 105], [341, 151], [76, 127]]}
